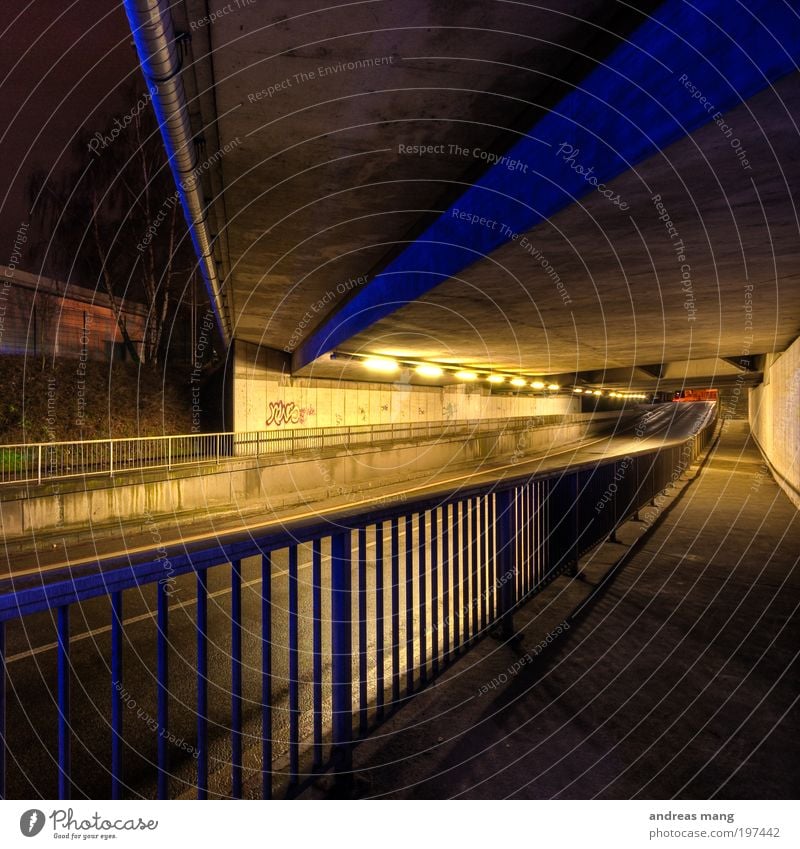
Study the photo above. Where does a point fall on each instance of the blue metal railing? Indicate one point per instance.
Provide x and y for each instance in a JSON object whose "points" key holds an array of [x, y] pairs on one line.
{"points": [[446, 568]]}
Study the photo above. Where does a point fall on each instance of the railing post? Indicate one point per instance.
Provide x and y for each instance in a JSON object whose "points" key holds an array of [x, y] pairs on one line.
{"points": [[316, 613], [218, 441], [162, 685], [111, 457], [341, 649], [2, 710], [507, 561], [64, 730], [613, 538], [362, 628], [202, 684], [266, 674], [117, 700], [293, 628], [169, 453], [236, 679]]}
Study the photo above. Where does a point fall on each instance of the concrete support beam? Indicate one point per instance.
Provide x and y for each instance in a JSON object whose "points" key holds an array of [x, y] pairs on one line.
{"points": [[653, 90]]}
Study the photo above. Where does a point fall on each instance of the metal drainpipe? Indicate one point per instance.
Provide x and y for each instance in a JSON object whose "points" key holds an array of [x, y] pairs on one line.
{"points": [[151, 24]]}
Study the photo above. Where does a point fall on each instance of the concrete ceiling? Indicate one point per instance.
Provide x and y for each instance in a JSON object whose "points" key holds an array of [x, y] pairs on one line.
{"points": [[620, 271], [316, 193]]}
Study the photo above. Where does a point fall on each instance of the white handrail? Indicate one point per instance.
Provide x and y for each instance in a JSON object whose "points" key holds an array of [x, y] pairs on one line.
{"points": [[23, 462]]}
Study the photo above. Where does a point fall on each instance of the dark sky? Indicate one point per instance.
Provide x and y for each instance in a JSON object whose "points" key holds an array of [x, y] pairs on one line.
{"points": [[62, 65]]}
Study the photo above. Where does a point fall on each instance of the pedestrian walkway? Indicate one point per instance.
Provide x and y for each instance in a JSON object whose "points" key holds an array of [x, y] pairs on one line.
{"points": [[679, 680]]}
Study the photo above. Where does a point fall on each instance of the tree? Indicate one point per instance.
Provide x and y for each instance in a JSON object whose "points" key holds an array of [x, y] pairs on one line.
{"points": [[111, 217]]}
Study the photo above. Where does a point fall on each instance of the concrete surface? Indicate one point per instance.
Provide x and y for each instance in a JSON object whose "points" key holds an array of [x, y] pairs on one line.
{"points": [[31, 642], [266, 396], [679, 681], [159, 501], [317, 193], [621, 271], [775, 418]]}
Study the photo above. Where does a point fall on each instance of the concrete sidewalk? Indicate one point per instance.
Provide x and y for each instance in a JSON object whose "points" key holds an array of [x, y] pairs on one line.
{"points": [[680, 680]]}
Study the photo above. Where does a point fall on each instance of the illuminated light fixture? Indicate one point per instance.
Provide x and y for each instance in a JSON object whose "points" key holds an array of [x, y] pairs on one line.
{"points": [[383, 364], [552, 387], [496, 378], [537, 384], [466, 375], [597, 392], [518, 381], [578, 390], [427, 370], [612, 394]]}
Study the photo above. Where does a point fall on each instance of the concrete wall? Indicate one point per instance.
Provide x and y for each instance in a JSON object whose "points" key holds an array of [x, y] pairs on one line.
{"points": [[266, 398], [81, 509], [40, 315], [775, 418], [733, 401]]}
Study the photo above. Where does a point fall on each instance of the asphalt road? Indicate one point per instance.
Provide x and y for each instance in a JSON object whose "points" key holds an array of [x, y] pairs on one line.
{"points": [[31, 661]]}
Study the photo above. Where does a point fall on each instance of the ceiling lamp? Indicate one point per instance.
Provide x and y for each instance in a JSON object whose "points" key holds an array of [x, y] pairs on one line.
{"points": [[578, 390], [552, 387], [427, 370], [537, 384], [518, 381], [496, 378], [382, 364], [597, 392], [466, 375]]}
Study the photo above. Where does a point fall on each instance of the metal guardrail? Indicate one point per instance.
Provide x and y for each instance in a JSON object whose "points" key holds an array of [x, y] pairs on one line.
{"points": [[465, 561], [46, 461]]}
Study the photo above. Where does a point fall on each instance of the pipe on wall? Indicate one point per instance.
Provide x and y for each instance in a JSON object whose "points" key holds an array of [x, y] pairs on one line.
{"points": [[154, 35]]}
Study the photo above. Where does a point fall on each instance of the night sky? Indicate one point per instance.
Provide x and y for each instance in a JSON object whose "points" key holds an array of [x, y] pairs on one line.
{"points": [[62, 65]]}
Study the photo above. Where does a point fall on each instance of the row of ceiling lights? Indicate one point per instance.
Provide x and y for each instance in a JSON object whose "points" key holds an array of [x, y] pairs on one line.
{"points": [[621, 395], [386, 365]]}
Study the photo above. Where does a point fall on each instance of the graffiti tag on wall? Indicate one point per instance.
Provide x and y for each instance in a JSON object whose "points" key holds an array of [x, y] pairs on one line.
{"points": [[281, 414]]}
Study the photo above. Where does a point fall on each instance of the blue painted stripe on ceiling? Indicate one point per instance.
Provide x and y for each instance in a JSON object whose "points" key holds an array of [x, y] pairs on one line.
{"points": [[625, 111]]}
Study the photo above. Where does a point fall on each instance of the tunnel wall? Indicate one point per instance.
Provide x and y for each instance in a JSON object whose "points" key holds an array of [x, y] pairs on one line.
{"points": [[733, 401], [775, 418], [267, 398]]}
